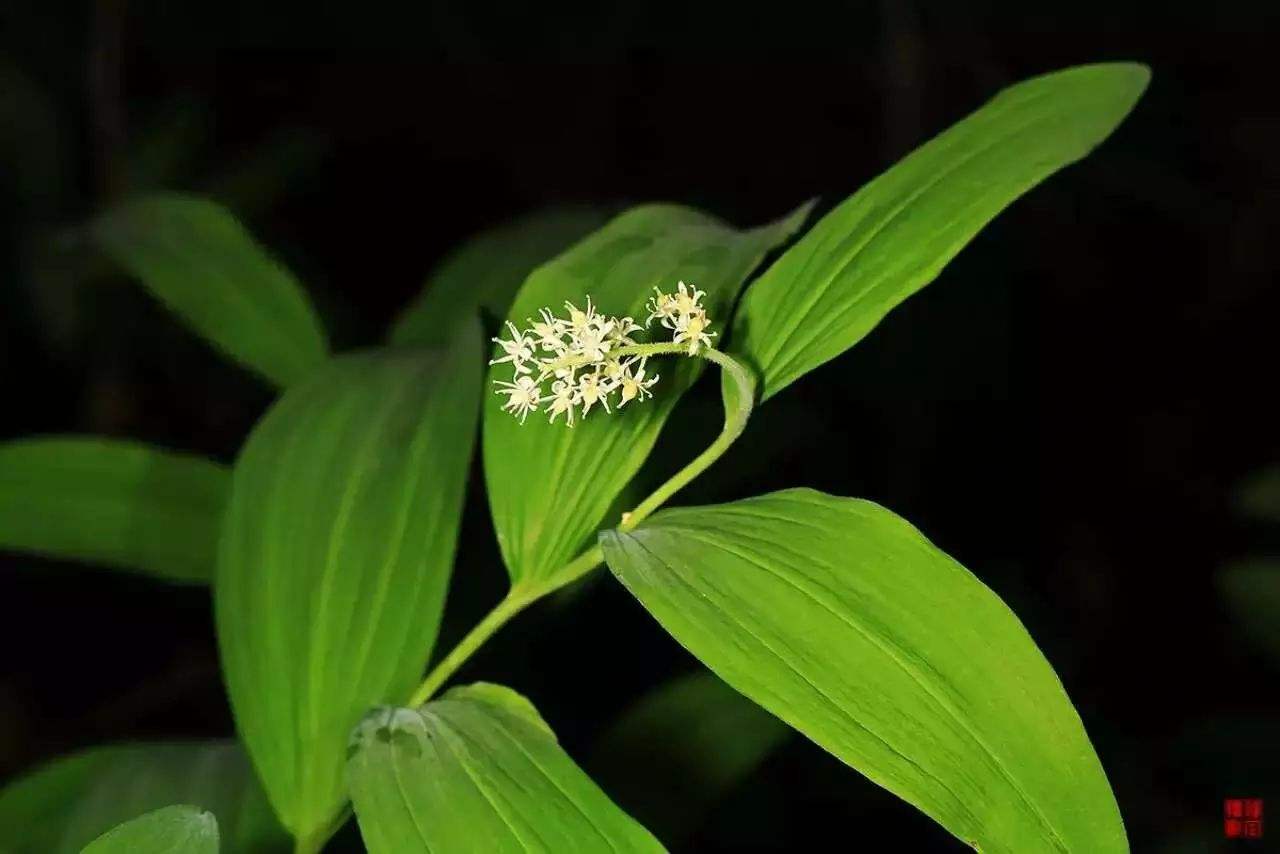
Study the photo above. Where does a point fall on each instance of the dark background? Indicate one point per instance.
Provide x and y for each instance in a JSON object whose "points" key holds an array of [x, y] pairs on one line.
{"points": [[1067, 410]]}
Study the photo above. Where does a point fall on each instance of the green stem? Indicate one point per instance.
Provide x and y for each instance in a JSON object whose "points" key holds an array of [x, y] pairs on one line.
{"points": [[735, 421], [510, 605], [523, 594], [665, 348]]}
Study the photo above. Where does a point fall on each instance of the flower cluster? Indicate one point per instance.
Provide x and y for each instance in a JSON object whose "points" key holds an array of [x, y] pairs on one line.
{"points": [[682, 313], [588, 356]]}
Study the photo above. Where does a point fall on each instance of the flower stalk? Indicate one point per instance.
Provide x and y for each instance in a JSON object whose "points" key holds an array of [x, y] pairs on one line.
{"points": [[739, 399]]}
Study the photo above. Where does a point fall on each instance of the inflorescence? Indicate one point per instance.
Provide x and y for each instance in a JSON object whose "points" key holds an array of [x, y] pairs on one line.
{"points": [[586, 358]]}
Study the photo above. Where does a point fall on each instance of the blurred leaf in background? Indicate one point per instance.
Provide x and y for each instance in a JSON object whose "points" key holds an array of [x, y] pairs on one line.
{"points": [[197, 259], [170, 830], [119, 503], [486, 271], [62, 805], [680, 748]]}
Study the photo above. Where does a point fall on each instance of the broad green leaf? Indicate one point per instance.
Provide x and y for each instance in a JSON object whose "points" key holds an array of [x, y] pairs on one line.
{"points": [[193, 256], [673, 754], [171, 830], [895, 235], [487, 270], [478, 770], [335, 558], [118, 503], [549, 485], [1251, 589], [61, 806], [841, 619]]}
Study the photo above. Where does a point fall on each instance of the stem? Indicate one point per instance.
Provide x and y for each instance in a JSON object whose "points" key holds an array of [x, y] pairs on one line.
{"points": [[510, 605], [737, 410], [520, 596], [736, 414], [663, 348]]}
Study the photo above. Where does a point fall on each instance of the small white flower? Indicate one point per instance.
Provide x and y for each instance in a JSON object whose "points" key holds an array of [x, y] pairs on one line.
{"points": [[523, 396], [593, 388], [519, 350], [614, 370], [549, 331], [580, 321], [622, 329], [581, 354], [635, 385], [686, 302], [662, 307], [564, 397], [692, 328], [591, 343]]}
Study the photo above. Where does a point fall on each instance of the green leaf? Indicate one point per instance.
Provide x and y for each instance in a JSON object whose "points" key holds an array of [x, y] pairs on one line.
{"points": [[895, 235], [841, 619], [336, 555], [478, 770], [118, 503], [194, 257], [61, 806], [550, 486], [673, 754], [1251, 590], [171, 830], [487, 270]]}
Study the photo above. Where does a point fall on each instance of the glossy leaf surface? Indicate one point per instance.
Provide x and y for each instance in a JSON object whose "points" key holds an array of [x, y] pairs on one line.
{"points": [[895, 235], [478, 771], [336, 556], [843, 620]]}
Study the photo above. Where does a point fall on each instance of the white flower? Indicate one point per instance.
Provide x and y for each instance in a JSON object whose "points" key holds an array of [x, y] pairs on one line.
{"points": [[634, 385], [614, 370], [549, 331], [522, 396], [580, 321], [662, 307], [589, 356], [564, 397], [591, 343], [593, 388], [692, 328], [622, 329], [519, 350], [686, 302]]}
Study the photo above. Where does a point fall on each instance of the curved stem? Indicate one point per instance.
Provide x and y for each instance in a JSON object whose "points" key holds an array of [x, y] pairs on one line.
{"points": [[519, 597], [481, 632], [736, 413], [737, 410]]}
